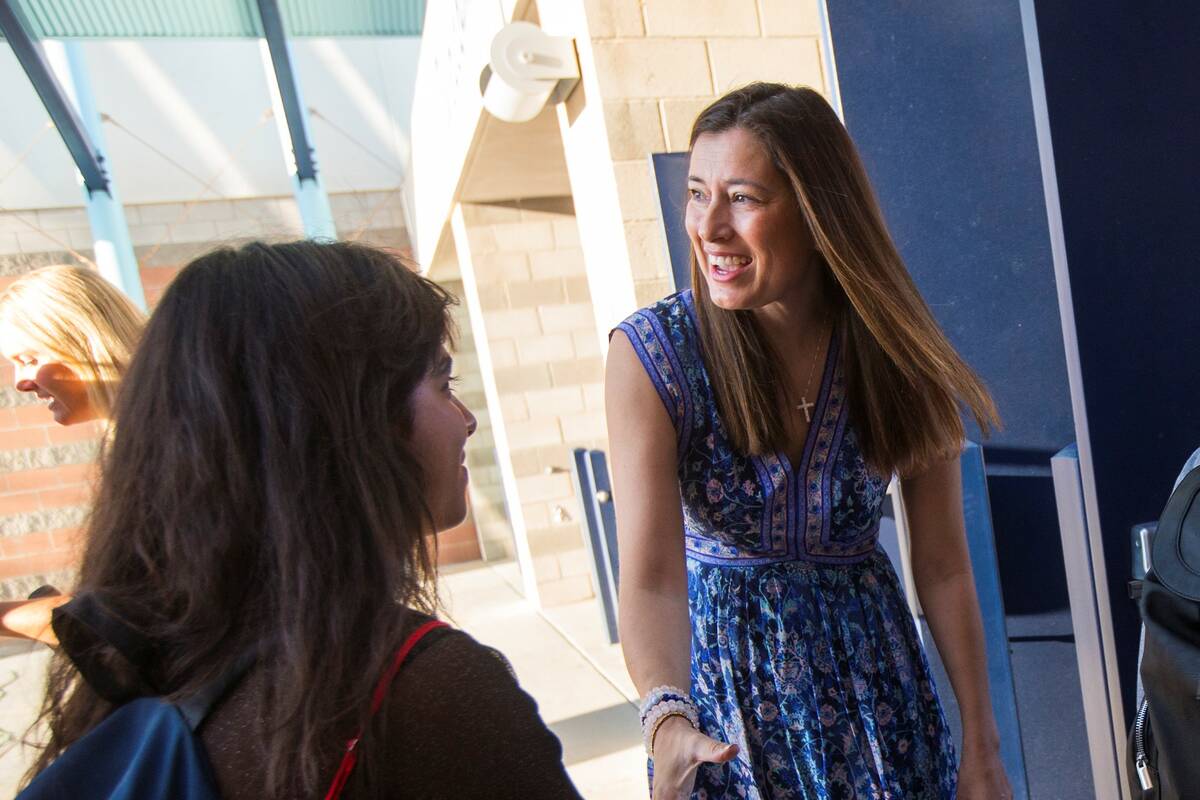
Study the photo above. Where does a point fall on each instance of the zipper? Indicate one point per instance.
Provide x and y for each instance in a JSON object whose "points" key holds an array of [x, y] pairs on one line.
{"points": [[1145, 777]]}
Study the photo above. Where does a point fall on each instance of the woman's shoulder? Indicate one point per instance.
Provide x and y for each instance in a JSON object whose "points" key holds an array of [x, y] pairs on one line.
{"points": [[671, 311]]}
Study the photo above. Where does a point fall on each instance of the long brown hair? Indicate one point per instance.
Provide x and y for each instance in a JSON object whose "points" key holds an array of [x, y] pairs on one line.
{"points": [[259, 491], [906, 381]]}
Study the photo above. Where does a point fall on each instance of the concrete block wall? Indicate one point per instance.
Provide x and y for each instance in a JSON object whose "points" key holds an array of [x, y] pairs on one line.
{"points": [[46, 471], [659, 63], [548, 370]]}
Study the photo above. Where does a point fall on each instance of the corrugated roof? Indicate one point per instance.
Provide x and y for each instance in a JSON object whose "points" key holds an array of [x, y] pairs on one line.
{"points": [[189, 19]]}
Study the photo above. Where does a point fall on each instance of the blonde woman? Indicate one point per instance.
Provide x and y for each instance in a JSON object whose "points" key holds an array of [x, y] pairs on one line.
{"points": [[755, 421], [69, 334]]}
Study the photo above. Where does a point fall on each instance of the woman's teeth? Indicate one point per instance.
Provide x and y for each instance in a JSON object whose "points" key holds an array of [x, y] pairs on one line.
{"points": [[728, 261]]}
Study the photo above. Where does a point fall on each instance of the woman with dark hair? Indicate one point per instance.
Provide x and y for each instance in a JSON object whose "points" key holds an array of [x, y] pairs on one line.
{"points": [[270, 489], [777, 397]]}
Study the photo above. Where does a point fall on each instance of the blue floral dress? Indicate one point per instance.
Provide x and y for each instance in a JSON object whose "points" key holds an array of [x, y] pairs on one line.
{"points": [[803, 649]]}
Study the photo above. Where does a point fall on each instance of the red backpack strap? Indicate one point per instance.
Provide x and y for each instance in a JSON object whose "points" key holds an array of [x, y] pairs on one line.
{"points": [[385, 681]]}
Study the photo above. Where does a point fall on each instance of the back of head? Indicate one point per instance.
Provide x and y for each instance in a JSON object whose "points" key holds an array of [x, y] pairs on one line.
{"points": [[80, 318], [259, 489]]}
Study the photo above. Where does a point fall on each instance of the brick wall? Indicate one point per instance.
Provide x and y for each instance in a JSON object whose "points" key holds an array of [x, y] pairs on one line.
{"points": [[46, 470], [548, 371]]}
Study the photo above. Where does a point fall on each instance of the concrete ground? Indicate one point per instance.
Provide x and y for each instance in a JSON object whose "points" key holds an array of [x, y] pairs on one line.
{"points": [[560, 656]]}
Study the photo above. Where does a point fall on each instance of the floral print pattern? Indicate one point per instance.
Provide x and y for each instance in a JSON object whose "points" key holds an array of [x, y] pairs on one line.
{"points": [[803, 650]]}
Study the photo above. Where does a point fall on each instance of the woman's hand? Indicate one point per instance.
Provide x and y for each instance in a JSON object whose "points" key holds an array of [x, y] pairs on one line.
{"points": [[679, 750], [30, 619], [981, 775]]}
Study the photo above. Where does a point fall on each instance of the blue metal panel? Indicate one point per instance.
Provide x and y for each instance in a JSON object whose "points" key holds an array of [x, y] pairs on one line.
{"points": [[606, 512], [19, 33], [981, 543], [938, 105], [585, 493], [1121, 91], [670, 175]]}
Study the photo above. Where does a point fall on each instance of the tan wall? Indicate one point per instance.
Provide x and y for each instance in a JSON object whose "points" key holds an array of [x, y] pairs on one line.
{"points": [[548, 372], [659, 63]]}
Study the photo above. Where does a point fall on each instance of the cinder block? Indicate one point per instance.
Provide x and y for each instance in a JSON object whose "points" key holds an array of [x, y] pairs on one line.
{"points": [[579, 371], [523, 378], [652, 68], [496, 267], [61, 217], [593, 396], [150, 234], [545, 567], [480, 240], [534, 432], [636, 190], [678, 117], [165, 213], [537, 515], [567, 317], [634, 128], [522, 237], [701, 18], [542, 349], [529, 294], [37, 242], [488, 213], [648, 257], [586, 344], [524, 461], [563, 400], [646, 292], [575, 563], [566, 233], [493, 296], [504, 353], [543, 488], [607, 19], [577, 289], [556, 458], [512, 323], [790, 17], [192, 232], [556, 539], [584, 427], [557, 263], [786, 60], [514, 408]]}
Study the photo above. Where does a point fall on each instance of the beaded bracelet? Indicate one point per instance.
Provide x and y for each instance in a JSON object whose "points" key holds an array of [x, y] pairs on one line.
{"points": [[659, 712], [662, 693]]}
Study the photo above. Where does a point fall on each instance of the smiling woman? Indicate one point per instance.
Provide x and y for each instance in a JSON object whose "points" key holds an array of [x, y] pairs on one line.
{"points": [[776, 399], [69, 334]]}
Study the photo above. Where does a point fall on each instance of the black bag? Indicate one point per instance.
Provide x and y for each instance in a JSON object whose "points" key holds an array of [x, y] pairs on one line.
{"points": [[1164, 743]]}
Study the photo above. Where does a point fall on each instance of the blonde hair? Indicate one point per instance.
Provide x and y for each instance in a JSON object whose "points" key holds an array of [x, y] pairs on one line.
{"points": [[81, 319], [906, 381]]}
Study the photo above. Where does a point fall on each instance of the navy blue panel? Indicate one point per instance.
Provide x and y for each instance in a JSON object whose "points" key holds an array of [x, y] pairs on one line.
{"points": [[1123, 89], [670, 174], [938, 103]]}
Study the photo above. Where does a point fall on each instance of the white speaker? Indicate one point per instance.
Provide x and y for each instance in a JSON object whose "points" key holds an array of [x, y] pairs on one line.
{"points": [[527, 69]]}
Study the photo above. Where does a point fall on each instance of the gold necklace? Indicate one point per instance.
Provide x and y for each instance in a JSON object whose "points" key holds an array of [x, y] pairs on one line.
{"points": [[805, 405]]}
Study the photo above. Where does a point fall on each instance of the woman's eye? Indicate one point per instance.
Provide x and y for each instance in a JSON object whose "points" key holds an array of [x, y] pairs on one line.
{"points": [[451, 382], [740, 198]]}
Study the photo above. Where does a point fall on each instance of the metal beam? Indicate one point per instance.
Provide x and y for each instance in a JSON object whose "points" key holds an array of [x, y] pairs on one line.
{"points": [[285, 77], [15, 26]]}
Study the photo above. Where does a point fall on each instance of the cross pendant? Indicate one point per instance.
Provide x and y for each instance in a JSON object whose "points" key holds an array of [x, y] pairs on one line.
{"points": [[806, 407]]}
